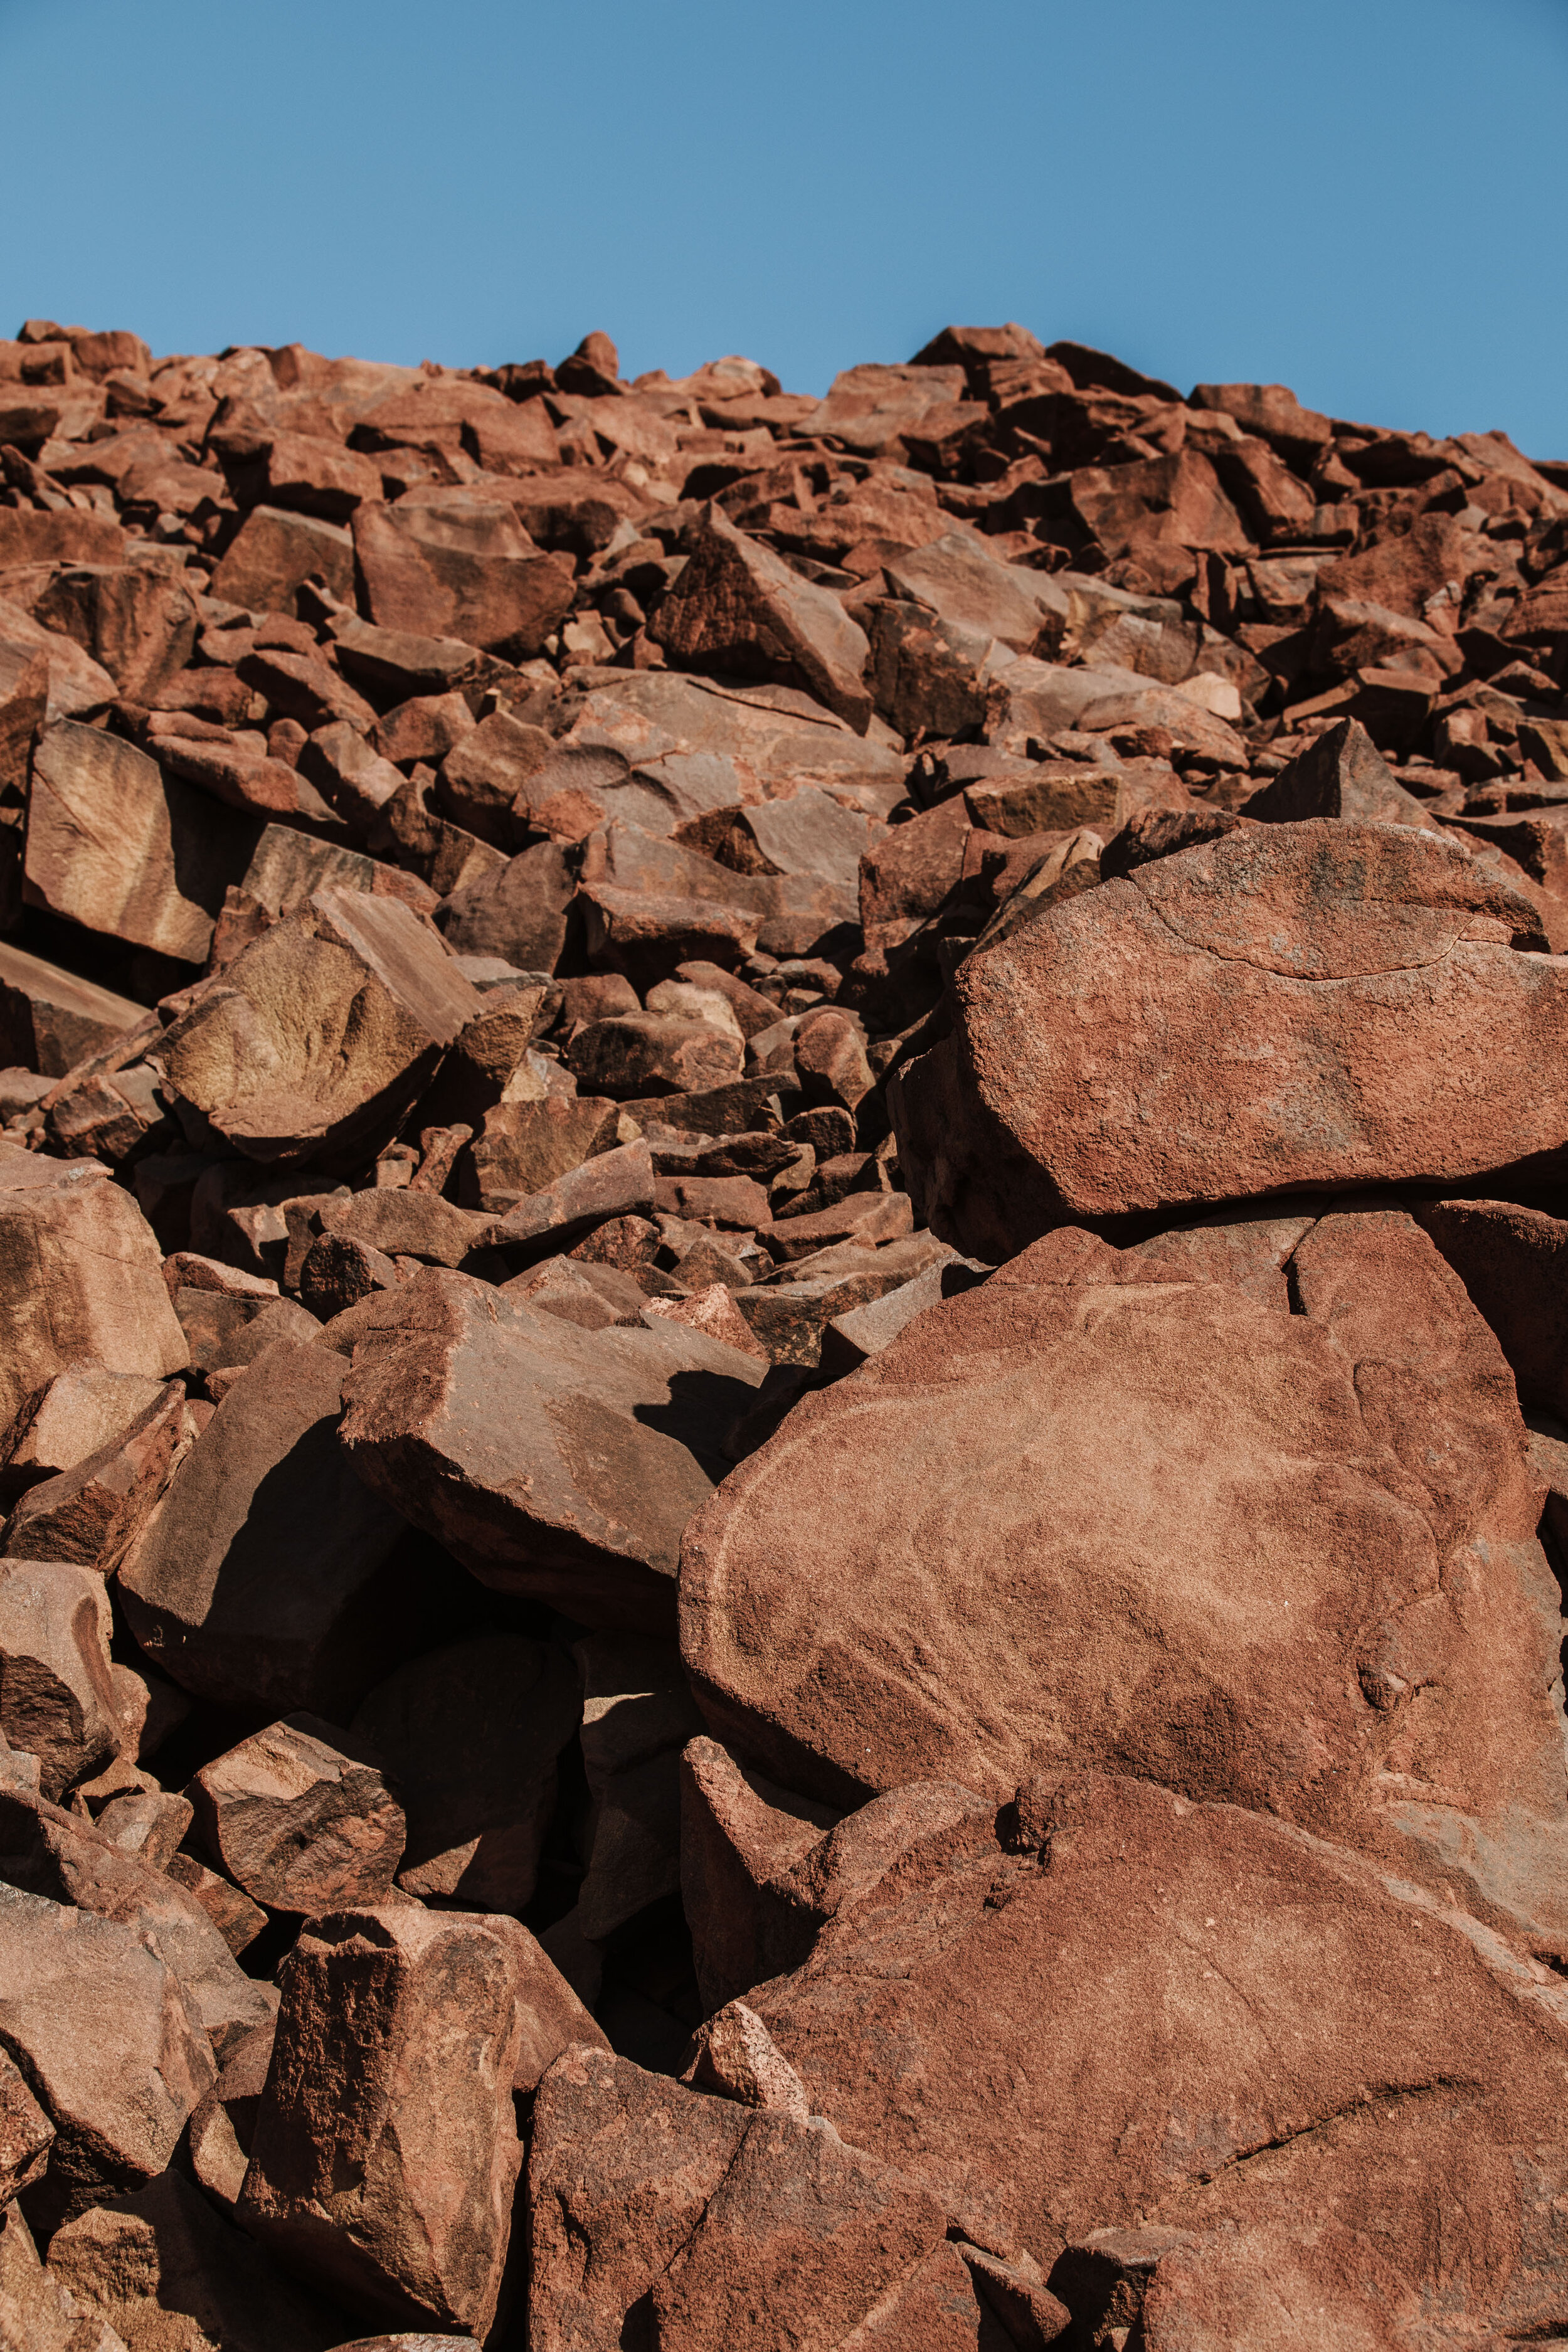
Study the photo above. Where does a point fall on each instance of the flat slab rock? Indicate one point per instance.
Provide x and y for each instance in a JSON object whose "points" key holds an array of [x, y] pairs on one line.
{"points": [[550, 1460], [1096, 1510], [1322, 1003]]}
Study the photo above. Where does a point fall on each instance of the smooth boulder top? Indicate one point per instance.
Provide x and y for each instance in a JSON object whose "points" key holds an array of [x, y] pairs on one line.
{"points": [[1096, 1511], [1313, 1004]]}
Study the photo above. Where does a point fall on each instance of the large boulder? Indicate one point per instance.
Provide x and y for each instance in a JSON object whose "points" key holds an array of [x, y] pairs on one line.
{"points": [[1137, 2014], [1099, 1510], [1322, 1003], [551, 1461]]}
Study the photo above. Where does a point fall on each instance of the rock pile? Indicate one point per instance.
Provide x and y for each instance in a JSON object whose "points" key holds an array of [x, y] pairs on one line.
{"points": [[783, 1433]]}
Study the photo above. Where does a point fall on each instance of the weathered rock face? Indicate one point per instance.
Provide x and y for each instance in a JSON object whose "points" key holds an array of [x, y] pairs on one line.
{"points": [[319, 1036], [722, 2225], [56, 1693], [1151, 1522], [1190, 2006], [161, 2268], [115, 843], [386, 2152], [1311, 1004], [550, 1460], [302, 1817], [119, 2102], [780, 1179], [81, 1278]]}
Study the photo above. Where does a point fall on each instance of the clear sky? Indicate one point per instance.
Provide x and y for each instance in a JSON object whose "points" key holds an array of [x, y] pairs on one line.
{"points": [[1365, 199]]}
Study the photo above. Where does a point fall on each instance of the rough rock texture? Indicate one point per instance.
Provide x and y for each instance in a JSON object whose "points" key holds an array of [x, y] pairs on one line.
{"points": [[79, 1275], [1388, 992], [1207, 2021], [386, 2152], [1272, 1585], [783, 1195]]}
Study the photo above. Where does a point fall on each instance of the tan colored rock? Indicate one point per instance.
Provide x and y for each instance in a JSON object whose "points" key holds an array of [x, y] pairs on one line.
{"points": [[302, 1817], [527, 1145], [57, 1697], [322, 1033], [385, 2154], [468, 1737], [117, 845], [80, 1280]]}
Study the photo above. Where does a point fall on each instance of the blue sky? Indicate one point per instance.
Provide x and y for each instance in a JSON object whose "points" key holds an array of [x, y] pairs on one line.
{"points": [[1366, 202]]}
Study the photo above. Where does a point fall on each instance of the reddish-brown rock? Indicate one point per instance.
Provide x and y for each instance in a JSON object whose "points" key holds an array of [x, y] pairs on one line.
{"points": [[1129, 1461], [302, 1817], [1313, 1004], [1211, 2025], [739, 607], [386, 2152], [550, 1460]]}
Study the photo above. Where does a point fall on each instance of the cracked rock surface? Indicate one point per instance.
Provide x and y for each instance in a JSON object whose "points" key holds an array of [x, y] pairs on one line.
{"points": [[783, 1258]]}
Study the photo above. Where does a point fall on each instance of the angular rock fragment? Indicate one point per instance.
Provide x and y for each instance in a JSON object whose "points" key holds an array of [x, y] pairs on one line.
{"points": [[550, 1460], [46, 1852], [50, 1020], [302, 1817], [739, 607], [94, 1512], [386, 2152], [69, 1417], [271, 1576], [79, 1275], [319, 1036], [118, 2102], [118, 847], [161, 2268], [56, 1697], [721, 2222]]}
